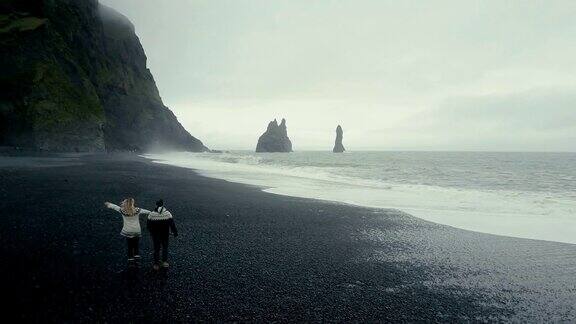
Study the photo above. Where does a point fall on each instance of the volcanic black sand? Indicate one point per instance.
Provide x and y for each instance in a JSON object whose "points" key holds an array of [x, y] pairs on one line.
{"points": [[244, 255]]}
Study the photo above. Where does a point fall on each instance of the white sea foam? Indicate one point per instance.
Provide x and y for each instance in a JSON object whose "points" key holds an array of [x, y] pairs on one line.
{"points": [[500, 210]]}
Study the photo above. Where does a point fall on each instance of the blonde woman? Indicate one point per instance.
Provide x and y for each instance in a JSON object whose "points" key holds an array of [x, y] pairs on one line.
{"points": [[131, 228]]}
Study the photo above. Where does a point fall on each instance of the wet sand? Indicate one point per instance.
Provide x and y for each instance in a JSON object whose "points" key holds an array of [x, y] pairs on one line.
{"points": [[246, 255]]}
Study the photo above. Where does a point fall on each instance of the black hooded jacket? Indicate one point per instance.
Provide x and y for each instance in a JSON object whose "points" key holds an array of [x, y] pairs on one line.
{"points": [[160, 223]]}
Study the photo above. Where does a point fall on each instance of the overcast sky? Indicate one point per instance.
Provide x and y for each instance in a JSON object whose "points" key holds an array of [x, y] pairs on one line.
{"points": [[397, 75]]}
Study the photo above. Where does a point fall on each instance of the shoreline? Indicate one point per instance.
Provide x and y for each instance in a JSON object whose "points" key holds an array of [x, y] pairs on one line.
{"points": [[244, 254], [508, 213]]}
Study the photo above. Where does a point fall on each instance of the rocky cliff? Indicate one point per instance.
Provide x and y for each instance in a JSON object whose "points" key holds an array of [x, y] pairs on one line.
{"points": [[338, 147], [275, 139], [74, 78]]}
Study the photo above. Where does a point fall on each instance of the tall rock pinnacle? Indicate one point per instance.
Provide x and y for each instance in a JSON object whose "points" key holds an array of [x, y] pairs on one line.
{"points": [[338, 147]]}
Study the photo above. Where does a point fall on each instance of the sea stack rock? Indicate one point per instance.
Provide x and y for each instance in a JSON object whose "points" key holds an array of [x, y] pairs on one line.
{"points": [[275, 139], [338, 147]]}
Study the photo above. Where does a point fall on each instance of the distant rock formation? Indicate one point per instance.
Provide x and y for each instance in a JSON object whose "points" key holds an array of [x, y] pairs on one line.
{"points": [[338, 147], [275, 139]]}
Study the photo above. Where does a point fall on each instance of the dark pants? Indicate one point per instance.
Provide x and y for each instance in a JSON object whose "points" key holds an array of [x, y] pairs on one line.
{"points": [[160, 241], [132, 243]]}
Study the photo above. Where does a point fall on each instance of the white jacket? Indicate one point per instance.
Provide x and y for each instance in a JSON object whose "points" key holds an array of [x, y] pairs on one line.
{"points": [[131, 224]]}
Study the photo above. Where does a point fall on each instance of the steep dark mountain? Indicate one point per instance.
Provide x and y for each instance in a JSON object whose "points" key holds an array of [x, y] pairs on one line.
{"points": [[338, 146], [74, 78], [275, 139]]}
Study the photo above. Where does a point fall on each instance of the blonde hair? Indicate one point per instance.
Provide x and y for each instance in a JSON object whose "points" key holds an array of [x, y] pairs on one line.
{"points": [[127, 207]]}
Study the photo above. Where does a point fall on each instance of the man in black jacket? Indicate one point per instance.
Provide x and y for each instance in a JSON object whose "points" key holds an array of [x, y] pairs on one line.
{"points": [[160, 223]]}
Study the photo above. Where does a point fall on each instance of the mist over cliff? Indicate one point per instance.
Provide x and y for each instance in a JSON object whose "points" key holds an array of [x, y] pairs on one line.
{"points": [[74, 78]]}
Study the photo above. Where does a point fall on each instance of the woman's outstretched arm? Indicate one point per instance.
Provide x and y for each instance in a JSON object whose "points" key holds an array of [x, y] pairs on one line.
{"points": [[144, 211], [112, 206]]}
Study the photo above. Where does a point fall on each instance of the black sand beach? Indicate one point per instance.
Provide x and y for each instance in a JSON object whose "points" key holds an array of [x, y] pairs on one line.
{"points": [[246, 255]]}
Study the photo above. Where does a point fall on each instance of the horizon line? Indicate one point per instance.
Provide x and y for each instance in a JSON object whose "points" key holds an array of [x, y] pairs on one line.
{"points": [[412, 150]]}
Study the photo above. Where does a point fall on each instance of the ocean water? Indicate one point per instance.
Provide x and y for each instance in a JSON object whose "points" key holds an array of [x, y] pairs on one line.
{"points": [[528, 195]]}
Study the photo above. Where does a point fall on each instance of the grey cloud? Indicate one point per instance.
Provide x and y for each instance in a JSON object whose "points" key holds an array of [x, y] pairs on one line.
{"points": [[539, 109], [451, 69]]}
